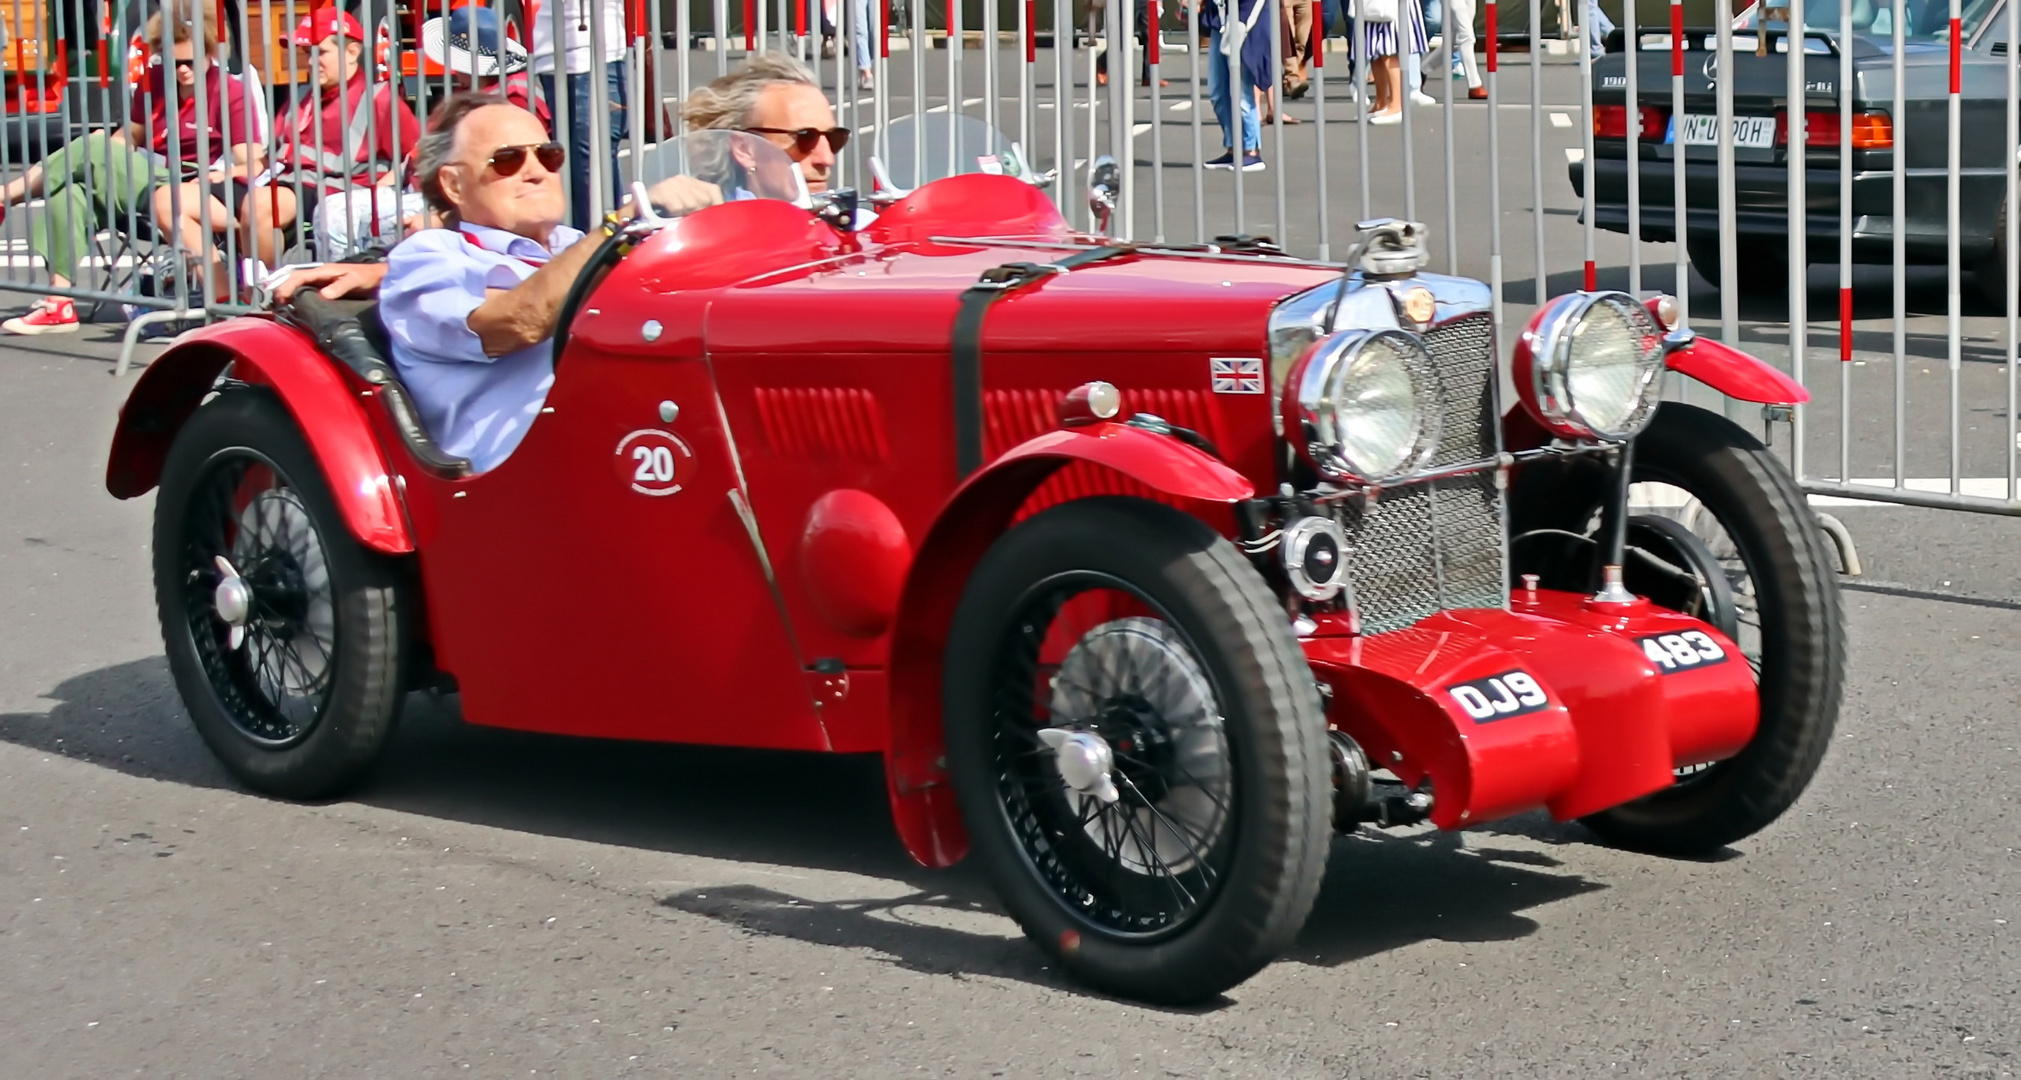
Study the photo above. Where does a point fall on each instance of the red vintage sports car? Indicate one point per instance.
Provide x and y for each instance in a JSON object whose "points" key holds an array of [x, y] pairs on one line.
{"points": [[1146, 568]]}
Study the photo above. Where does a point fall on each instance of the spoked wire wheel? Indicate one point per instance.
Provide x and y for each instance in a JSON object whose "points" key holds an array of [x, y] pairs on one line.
{"points": [[1136, 744], [284, 634], [259, 599], [1719, 530], [1114, 763]]}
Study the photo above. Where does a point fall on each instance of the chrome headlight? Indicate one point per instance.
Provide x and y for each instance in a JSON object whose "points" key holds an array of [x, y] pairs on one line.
{"points": [[1588, 366], [1365, 403]]}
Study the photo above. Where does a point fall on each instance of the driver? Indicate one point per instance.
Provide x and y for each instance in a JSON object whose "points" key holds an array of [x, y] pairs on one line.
{"points": [[471, 309]]}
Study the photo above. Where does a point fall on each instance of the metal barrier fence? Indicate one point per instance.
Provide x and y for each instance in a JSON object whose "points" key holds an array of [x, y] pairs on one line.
{"points": [[1908, 128]]}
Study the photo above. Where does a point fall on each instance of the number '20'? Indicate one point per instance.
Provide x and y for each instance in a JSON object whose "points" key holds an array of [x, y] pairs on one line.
{"points": [[656, 465]]}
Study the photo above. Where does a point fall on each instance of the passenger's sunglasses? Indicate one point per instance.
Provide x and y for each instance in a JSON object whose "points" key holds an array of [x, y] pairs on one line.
{"points": [[805, 138], [507, 160]]}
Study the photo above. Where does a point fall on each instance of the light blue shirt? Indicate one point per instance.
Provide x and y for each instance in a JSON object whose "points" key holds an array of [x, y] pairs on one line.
{"points": [[474, 406]]}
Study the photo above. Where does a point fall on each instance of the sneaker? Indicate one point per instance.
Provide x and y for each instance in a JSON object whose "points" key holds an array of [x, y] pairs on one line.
{"points": [[53, 315], [1252, 162], [1386, 117], [1225, 161], [1459, 69], [1419, 97], [864, 81]]}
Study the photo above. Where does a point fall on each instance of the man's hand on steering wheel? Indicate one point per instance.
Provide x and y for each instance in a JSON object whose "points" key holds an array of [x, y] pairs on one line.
{"points": [[683, 195]]}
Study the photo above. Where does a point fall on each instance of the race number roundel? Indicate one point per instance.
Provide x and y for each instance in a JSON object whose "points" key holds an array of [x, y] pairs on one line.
{"points": [[654, 462]]}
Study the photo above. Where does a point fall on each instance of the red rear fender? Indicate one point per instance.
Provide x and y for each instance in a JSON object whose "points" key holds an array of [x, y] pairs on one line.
{"points": [[263, 353], [922, 799]]}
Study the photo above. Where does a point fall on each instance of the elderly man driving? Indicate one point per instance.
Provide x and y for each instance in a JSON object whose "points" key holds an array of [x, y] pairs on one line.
{"points": [[471, 308]]}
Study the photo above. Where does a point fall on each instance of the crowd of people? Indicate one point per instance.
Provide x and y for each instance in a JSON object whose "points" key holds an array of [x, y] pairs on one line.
{"points": [[1394, 38], [328, 170], [334, 169]]}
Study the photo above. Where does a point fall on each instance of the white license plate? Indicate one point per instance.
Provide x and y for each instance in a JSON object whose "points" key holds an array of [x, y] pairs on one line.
{"points": [[1749, 132]]}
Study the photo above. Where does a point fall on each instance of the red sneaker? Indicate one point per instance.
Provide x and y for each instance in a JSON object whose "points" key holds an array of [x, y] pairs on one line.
{"points": [[54, 315]]}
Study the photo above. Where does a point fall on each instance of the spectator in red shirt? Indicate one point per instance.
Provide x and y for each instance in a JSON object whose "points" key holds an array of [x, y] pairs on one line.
{"points": [[215, 119], [347, 135]]}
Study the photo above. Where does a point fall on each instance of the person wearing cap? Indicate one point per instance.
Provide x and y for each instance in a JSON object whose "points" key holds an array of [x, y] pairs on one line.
{"points": [[575, 52], [107, 179], [343, 140], [471, 45]]}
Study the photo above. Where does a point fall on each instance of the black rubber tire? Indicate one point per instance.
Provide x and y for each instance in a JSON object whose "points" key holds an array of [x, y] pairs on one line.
{"points": [[1761, 265], [1989, 277], [1273, 722], [370, 632], [1756, 501]]}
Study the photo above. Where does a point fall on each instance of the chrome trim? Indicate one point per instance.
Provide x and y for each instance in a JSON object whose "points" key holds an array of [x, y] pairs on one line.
{"points": [[1551, 360], [1297, 542], [1317, 409]]}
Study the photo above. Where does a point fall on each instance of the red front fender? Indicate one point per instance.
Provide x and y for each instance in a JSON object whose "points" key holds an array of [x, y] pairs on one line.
{"points": [[263, 353], [922, 801], [1736, 374]]}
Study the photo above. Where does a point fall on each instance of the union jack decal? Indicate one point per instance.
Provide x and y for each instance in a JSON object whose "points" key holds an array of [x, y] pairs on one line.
{"points": [[1236, 375]]}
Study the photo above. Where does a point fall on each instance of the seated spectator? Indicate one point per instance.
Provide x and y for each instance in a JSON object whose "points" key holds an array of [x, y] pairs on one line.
{"points": [[343, 141], [231, 132], [471, 309], [108, 178], [776, 96]]}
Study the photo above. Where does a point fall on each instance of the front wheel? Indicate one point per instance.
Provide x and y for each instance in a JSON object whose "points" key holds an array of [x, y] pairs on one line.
{"points": [[1138, 749], [283, 633], [1721, 532]]}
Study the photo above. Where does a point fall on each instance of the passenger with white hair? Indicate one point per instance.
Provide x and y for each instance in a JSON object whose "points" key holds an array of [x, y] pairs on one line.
{"points": [[776, 96]]}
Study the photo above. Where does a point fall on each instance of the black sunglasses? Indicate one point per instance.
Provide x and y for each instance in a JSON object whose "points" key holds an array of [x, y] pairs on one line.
{"points": [[507, 160], [181, 63], [805, 138]]}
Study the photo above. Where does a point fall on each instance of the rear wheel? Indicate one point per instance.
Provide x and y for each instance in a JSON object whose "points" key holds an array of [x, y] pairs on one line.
{"points": [[1719, 531], [283, 633], [1138, 749], [1990, 276], [1760, 264]]}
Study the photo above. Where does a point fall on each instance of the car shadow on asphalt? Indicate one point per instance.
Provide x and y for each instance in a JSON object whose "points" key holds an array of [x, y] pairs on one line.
{"points": [[1382, 891]]}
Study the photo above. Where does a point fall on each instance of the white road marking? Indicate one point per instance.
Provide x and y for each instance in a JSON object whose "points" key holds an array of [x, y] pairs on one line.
{"points": [[1574, 155], [1182, 106], [1559, 119], [1139, 129], [1666, 497]]}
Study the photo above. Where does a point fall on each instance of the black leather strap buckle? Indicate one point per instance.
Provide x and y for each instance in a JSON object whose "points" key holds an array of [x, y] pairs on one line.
{"points": [[1015, 275]]}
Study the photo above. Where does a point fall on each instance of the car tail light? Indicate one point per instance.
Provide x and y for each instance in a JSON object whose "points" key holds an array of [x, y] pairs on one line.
{"points": [[1611, 122], [1871, 130]]}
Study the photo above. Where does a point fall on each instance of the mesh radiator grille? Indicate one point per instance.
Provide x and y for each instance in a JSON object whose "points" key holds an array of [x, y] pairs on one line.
{"points": [[1421, 548]]}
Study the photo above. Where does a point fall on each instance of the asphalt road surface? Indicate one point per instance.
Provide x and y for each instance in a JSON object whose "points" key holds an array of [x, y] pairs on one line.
{"points": [[501, 904]]}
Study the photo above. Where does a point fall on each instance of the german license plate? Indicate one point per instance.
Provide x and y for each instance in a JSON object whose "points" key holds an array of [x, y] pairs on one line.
{"points": [[1749, 132]]}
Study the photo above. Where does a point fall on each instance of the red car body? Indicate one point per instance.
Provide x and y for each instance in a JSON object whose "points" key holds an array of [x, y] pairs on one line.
{"points": [[739, 520]]}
